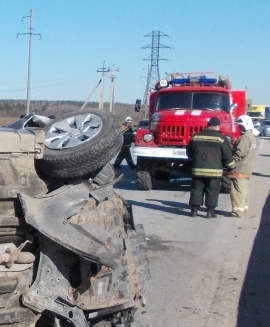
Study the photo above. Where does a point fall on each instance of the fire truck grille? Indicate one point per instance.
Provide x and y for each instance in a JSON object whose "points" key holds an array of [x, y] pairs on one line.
{"points": [[173, 131], [178, 135], [195, 129]]}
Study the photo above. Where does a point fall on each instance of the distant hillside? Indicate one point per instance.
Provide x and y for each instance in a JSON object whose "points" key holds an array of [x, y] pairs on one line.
{"points": [[16, 108]]}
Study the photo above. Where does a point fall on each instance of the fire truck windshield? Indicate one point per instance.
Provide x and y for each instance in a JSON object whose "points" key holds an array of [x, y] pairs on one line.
{"points": [[193, 100]]}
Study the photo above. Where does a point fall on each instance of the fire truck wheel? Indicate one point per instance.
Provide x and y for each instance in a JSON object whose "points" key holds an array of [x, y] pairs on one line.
{"points": [[162, 175], [80, 143], [144, 177], [144, 181], [225, 183]]}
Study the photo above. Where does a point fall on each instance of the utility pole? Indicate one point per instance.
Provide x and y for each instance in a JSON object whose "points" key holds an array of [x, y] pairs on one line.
{"points": [[112, 77], [154, 58], [29, 57], [102, 70]]}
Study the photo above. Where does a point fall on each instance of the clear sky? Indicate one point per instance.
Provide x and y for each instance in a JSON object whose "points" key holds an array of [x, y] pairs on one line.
{"points": [[228, 37]]}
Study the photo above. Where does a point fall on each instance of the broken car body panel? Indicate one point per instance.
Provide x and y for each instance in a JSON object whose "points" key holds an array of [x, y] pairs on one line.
{"points": [[69, 249]]}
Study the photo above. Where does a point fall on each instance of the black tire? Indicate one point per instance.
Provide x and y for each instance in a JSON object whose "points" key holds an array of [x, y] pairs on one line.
{"points": [[144, 177], [80, 143], [225, 183], [162, 175]]}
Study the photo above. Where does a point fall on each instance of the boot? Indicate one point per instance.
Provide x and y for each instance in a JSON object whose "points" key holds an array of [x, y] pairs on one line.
{"points": [[194, 210], [211, 212]]}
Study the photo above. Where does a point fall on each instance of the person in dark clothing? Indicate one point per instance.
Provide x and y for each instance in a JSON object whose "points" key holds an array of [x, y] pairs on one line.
{"points": [[129, 137], [209, 152]]}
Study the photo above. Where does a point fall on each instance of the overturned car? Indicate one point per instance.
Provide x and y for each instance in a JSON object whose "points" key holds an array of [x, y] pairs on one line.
{"points": [[70, 254]]}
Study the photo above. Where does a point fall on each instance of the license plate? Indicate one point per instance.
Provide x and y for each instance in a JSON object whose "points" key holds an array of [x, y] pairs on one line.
{"points": [[179, 152]]}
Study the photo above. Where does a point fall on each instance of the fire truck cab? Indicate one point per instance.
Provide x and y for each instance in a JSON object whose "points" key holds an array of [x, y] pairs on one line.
{"points": [[181, 106]]}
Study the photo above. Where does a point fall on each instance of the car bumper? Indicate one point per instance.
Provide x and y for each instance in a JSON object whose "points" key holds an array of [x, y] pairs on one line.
{"points": [[155, 152]]}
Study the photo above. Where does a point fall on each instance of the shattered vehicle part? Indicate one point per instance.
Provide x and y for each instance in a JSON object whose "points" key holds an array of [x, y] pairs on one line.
{"points": [[70, 253], [31, 120]]}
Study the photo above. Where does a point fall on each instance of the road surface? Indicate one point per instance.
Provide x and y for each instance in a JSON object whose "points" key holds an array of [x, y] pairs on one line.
{"points": [[205, 272]]}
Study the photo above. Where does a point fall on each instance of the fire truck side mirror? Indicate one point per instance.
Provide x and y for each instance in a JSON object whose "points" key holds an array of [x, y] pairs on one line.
{"points": [[233, 107], [138, 105]]}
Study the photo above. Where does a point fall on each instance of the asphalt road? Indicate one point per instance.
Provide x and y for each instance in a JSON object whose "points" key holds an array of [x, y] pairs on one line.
{"points": [[205, 272]]}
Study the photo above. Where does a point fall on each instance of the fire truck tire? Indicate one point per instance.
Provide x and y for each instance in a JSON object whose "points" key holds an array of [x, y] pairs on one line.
{"points": [[225, 183], [144, 176], [80, 143], [162, 175], [144, 181]]}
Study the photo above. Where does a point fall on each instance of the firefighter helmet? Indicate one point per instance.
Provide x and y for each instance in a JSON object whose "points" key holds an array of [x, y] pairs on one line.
{"points": [[246, 122], [128, 120]]}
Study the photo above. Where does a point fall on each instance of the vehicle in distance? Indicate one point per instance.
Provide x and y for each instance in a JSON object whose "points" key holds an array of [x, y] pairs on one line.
{"points": [[266, 128], [258, 124], [143, 124], [260, 111]]}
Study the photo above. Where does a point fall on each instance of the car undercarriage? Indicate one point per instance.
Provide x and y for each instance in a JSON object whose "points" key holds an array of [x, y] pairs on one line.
{"points": [[70, 253]]}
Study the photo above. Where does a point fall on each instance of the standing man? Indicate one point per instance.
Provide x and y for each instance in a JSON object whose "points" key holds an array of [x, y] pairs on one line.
{"points": [[129, 137], [208, 150], [244, 155]]}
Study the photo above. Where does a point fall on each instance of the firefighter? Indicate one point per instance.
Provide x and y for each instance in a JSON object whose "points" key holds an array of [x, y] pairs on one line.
{"points": [[129, 137], [244, 155], [208, 150]]}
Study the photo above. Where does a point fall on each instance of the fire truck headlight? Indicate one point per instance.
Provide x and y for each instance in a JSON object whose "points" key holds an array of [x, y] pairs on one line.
{"points": [[148, 137], [163, 83]]}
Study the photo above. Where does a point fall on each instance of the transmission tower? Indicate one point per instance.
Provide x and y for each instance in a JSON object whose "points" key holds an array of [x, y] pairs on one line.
{"points": [[153, 69]]}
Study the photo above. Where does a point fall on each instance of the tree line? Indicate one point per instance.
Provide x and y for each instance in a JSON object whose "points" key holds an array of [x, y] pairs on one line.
{"points": [[16, 108]]}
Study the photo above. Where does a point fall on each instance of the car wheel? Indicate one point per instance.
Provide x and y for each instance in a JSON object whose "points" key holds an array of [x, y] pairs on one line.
{"points": [[79, 143]]}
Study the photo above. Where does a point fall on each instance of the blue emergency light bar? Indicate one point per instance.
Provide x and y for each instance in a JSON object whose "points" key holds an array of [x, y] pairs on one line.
{"points": [[195, 80]]}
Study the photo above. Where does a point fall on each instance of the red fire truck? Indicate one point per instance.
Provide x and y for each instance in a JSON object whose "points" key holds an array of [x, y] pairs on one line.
{"points": [[181, 106]]}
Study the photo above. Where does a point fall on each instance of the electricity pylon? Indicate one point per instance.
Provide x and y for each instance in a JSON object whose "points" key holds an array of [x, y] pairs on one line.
{"points": [[154, 58]]}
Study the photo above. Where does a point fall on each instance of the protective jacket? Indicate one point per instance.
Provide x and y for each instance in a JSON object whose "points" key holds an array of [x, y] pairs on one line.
{"points": [[244, 155], [210, 152], [128, 135]]}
